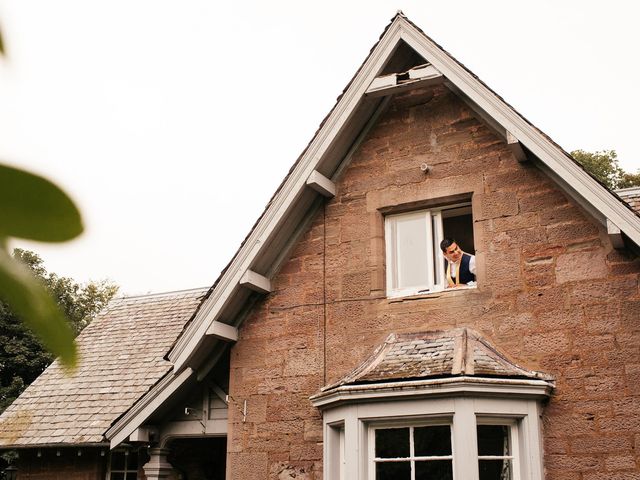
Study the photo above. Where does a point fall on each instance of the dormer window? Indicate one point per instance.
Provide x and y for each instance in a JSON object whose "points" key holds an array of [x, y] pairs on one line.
{"points": [[415, 262]]}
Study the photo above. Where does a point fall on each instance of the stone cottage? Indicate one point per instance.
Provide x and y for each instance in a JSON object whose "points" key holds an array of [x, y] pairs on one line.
{"points": [[338, 344]]}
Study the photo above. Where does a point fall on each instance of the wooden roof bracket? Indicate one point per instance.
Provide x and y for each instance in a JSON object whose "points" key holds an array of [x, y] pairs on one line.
{"points": [[516, 147], [615, 235], [321, 184], [223, 331], [256, 282]]}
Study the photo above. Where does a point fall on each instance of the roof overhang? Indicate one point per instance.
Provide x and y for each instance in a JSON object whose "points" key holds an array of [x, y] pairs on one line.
{"points": [[451, 386]]}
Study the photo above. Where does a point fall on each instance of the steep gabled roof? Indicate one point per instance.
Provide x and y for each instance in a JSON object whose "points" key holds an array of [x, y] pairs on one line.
{"points": [[403, 57], [121, 356]]}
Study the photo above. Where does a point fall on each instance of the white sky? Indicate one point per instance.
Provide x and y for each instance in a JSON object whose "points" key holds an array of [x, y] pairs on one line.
{"points": [[172, 123]]}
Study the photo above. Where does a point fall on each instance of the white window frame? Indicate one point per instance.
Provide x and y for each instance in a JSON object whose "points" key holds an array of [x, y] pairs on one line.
{"points": [[412, 457], [514, 444], [436, 281], [357, 420], [126, 470]]}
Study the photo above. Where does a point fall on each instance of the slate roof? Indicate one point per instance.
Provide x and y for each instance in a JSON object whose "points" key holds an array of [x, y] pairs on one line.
{"points": [[631, 196], [413, 356], [121, 357]]}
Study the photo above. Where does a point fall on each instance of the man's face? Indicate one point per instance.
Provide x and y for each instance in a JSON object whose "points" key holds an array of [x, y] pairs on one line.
{"points": [[453, 253]]}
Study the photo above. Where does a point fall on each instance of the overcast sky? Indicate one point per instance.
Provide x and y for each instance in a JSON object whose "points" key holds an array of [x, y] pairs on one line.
{"points": [[171, 123]]}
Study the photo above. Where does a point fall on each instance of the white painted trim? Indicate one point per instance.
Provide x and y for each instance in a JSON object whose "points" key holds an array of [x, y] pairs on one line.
{"points": [[256, 282], [222, 331], [462, 411], [321, 184], [615, 235], [143, 410], [433, 387], [516, 147]]}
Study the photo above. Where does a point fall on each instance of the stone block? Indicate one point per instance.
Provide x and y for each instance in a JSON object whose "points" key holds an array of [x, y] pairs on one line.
{"points": [[495, 205], [580, 266]]}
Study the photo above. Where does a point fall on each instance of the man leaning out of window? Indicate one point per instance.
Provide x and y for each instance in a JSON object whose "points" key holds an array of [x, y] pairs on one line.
{"points": [[461, 266]]}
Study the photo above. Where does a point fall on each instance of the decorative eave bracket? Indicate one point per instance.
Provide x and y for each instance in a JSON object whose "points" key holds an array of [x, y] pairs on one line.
{"points": [[256, 282], [615, 235], [516, 147], [222, 331], [321, 184]]}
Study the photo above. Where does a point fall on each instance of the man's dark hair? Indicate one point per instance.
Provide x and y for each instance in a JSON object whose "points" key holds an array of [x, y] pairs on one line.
{"points": [[446, 243]]}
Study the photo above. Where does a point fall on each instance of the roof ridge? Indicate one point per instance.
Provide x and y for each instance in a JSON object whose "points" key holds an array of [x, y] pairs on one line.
{"points": [[162, 294]]}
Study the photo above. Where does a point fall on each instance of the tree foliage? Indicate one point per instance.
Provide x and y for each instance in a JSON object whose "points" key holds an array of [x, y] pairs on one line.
{"points": [[33, 208], [22, 355], [605, 167]]}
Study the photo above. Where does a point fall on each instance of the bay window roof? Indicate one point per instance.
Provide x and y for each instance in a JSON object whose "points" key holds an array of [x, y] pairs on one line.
{"points": [[435, 362]]}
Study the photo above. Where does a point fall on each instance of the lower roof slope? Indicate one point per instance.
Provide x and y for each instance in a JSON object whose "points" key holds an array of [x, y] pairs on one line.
{"points": [[631, 196], [121, 356], [422, 355]]}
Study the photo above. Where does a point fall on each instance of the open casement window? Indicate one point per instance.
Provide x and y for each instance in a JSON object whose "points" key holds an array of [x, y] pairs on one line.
{"points": [[415, 264], [123, 465]]}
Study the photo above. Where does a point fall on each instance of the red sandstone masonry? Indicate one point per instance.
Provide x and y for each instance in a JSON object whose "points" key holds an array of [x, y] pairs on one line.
{"points": [[535, 300]]}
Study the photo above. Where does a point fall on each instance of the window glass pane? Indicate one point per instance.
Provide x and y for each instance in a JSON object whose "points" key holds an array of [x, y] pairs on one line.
{"points": [[392, 442], [432, 441], [411, 248], [493, 440], [132, 461], [495, 469], [117, 476], [117, 461], [132, 476], [434, 470], [393, 471]]}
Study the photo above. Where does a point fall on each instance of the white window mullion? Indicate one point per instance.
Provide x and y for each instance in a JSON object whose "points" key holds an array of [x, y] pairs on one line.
{"points": [[430, 271], [438, 259], [464, 446], [412, 454]]}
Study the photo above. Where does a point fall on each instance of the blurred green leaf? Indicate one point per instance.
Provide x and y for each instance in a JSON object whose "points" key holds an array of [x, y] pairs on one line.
{"points": [[29, 299], [1, 45], [35, 209]]}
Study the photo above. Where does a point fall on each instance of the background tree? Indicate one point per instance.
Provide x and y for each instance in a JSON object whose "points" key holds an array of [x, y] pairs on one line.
{"points": [[605, 167], [22, 355]]}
